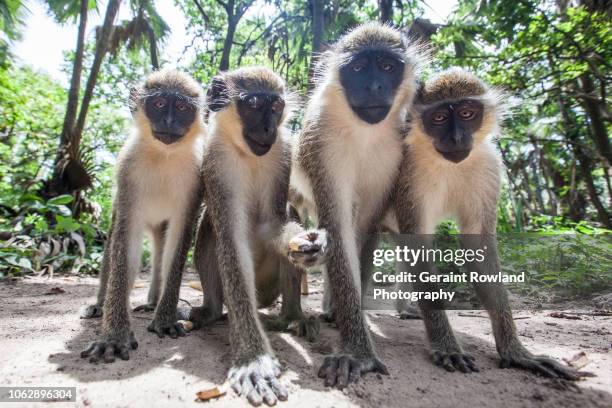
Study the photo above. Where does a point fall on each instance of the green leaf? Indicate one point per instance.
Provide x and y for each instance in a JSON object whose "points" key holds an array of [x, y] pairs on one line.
{"points": [[61, 200]]}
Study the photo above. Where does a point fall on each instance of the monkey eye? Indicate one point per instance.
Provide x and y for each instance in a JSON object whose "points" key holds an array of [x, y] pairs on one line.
{"points": [[278, 105], [254, 102], [159, 103], [181, 106], [387, 67], [439, 118], [357, 67], [466, 114]]}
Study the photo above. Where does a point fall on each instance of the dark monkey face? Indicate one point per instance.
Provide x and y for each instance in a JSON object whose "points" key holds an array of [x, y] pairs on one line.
{"points": [[370, 79], [452, 125], [170, 114], [260, 114]]}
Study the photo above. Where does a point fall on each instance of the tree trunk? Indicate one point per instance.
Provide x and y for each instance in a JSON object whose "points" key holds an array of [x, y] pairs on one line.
{"points": [[101, 48], [318, 25], [385, 11], [591, 107], [153, 49], [232, 22], [75, 80]]}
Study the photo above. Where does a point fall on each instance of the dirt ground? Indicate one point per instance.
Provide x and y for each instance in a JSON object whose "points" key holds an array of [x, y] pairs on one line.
{"points": [[41, 336]]}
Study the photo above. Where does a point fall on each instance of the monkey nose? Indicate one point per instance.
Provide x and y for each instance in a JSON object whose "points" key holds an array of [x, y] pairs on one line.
{"points": [[374, 86]]}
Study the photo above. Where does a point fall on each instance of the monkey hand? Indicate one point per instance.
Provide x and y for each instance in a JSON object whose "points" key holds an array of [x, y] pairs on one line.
{"points": [[308, 248], [454, 360], [163, 326], [92, 311], [340, 370], [110, 347], [258, 381], [518, 356]]}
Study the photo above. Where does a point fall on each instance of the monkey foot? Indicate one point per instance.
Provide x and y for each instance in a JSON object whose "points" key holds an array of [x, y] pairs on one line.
{"points": [[541, 365], [328, 317], [147, 307], [340, 370], [258, 381], [306, 326], [452, 361], [410, 313], [308, 248], [92, 311], [173, 329], [109, 348], [199, 316]]}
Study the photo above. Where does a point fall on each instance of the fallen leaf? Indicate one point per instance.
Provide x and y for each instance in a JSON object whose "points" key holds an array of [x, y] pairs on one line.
{"points": [[578, 361], [206, 395], [563, 315], [197, 285], [55, 291]]}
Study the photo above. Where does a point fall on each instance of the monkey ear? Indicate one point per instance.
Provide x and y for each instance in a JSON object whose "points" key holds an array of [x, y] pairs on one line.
{"points": [[134, 99], [217, 96]]}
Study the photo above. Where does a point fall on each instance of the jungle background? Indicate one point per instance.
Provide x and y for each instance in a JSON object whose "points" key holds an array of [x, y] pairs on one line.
{"points": [[59, 138]]}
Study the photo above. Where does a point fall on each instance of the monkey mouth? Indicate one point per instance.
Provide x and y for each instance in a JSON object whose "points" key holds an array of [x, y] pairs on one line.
{"points": [[166, 137], [257, 147], [455, 156], [372, 114]]}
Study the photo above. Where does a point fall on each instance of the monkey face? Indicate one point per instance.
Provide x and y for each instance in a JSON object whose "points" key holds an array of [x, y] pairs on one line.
{"points": [[452, 125], [170, 114], [260, 114], [370, 79]]}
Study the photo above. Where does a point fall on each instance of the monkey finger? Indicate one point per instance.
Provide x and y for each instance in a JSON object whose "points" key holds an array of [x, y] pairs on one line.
{"points": [[248, 390], [88, 350], [133, 342], [264, 390], [563, 371], [109, 354], [355, 372], [331, 373], [124, 353], [343, 372], [458, 362], [279, 389], [323, 369]]}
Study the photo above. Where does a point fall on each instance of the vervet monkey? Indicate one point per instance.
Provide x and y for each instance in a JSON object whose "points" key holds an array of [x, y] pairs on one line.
{"points": [[347, 163], [246, 246], [159, 191], [452, 168]]}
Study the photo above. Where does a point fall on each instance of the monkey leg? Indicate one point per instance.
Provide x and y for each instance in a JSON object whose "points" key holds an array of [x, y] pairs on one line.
{"points": [[95, 310], [205, 261], [126, 246], [494, 298], [178, 237], [446, 352], [157, 238], [292, 317]]}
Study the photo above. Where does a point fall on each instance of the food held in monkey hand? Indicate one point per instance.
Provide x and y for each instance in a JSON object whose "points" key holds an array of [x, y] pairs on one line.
{"points": [[308, 248], [258, 381], [109, 348], [341, 370]]}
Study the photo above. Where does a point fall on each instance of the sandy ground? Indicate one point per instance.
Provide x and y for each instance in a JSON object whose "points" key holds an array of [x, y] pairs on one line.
{"points": [[41, 336]]}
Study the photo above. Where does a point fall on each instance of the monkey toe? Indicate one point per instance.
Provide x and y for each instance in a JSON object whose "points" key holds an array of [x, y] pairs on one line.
{"points": [[258, 382], [172, 329], [339, 371], [92, 311], [452, 362], [544, 366], [108, 349], [309, 328], [147, 307]]}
